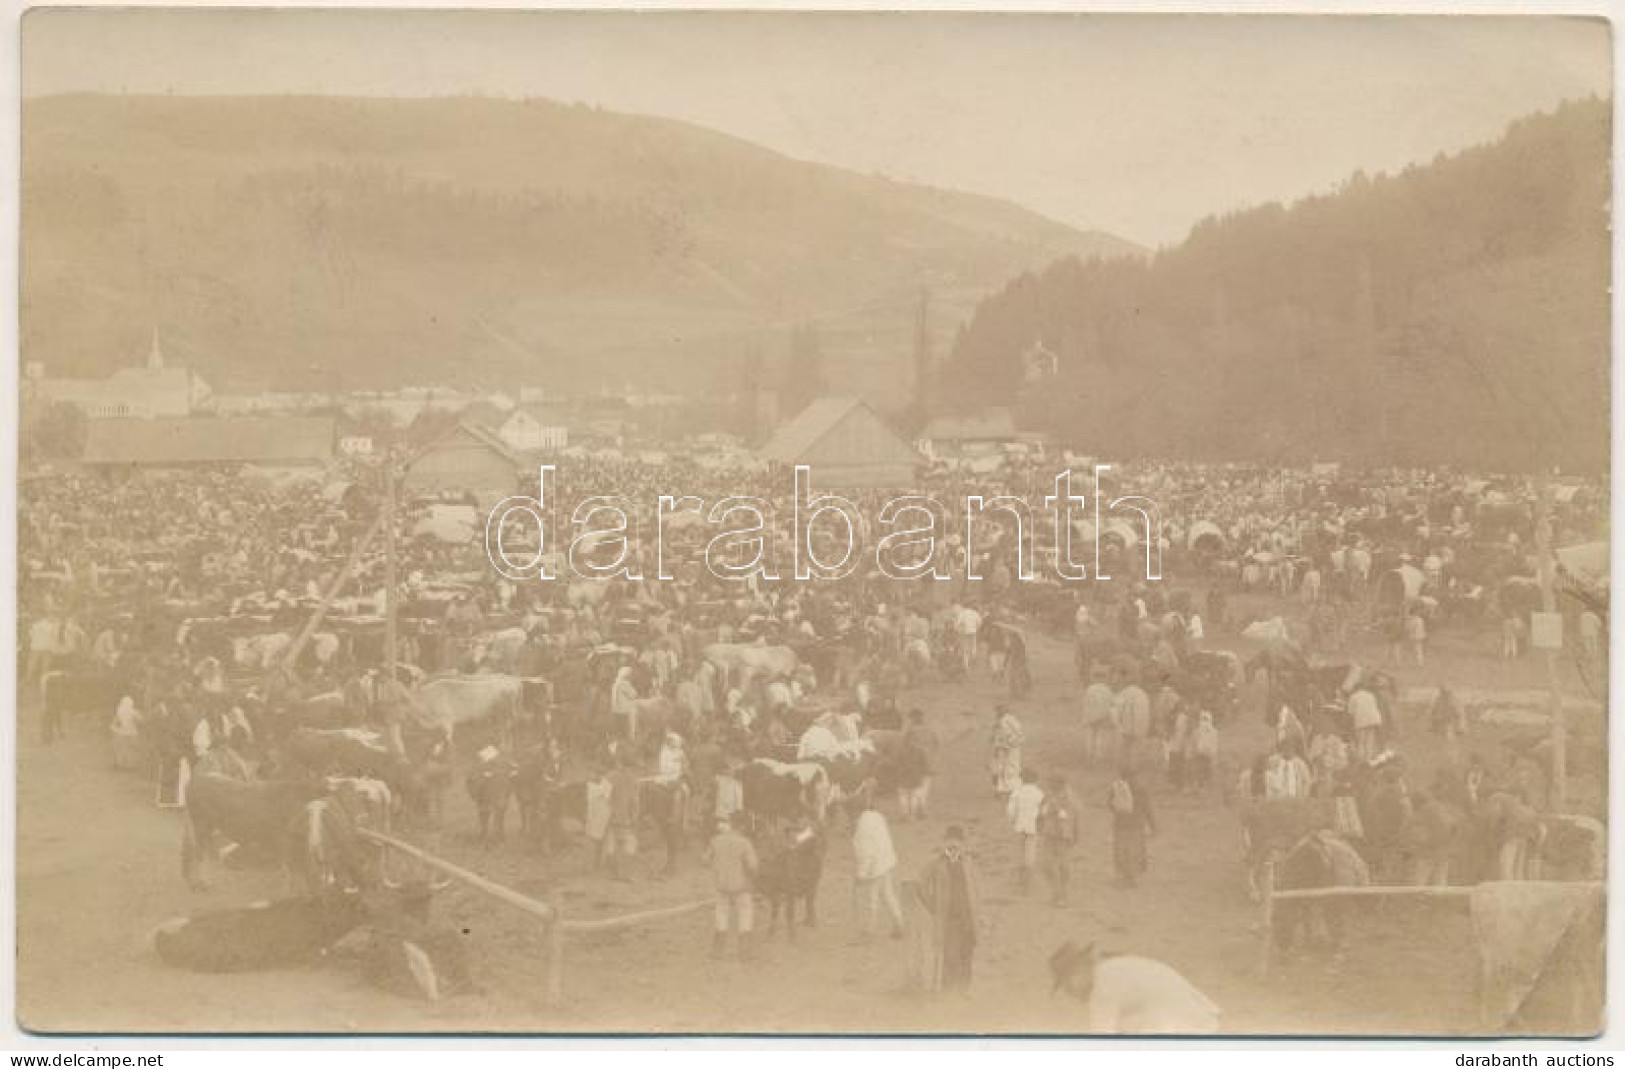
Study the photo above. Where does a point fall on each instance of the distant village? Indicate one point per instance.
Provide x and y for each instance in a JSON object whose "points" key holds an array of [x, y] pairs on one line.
{"points": [[155, 415]]}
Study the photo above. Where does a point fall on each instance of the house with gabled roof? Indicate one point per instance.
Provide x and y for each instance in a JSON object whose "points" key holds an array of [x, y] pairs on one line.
{"points": [[466, 460], [846, 444]]}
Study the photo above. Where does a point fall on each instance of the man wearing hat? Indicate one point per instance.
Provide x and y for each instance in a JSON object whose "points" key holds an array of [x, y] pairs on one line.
{"points": [[734, 866], [1130, 994], [948, 891]]}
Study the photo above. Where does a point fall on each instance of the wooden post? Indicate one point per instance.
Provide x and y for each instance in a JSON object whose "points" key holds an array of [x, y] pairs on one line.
{"points": [[1545, 559], [389, 563], [332, 592], [392, 686], [1266, 918], [553, 978]]}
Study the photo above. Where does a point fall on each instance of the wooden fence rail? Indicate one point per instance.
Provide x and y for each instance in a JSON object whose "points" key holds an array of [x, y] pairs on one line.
{"points": [[554, 925], [1269, 896]]}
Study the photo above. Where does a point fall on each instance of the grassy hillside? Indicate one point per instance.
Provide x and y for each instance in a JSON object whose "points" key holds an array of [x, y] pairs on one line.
{"points": [[313, 242]]}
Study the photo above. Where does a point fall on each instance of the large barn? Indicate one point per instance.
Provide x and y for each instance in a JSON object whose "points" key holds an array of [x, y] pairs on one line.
{"points": [[467, 460], [847, 445], [270, 442]]}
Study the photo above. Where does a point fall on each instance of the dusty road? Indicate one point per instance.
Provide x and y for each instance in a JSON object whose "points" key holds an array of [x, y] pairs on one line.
{"points": [[98, 871]]}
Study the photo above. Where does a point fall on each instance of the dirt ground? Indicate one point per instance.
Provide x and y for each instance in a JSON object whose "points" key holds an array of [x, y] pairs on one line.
{"points": [[98, 871]]}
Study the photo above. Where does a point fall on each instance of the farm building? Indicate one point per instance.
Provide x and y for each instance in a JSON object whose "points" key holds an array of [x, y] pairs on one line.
{"points": [[988, 432], [466, 460], [536, 428], [846, 444]]}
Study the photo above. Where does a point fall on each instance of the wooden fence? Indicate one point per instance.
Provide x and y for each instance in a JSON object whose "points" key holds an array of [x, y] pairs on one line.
{"points": [[554, 924], [1269, 896]]}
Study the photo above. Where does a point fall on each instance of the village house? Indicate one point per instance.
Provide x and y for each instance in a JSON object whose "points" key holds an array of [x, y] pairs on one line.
{"points": [[846, 444], [535, 428], [466, 460], [988, 432]]}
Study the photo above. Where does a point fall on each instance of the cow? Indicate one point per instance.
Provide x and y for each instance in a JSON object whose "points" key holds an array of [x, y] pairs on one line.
{"points": [[776, 791], [534, 782], [774, 662], [349, 752], [287, 932], [453, 701], [366, 802], [84, 690], [500, 649], [1270, 828], [857, 774], [1320, 859], [332, 855], [260, 651], [790, 872], [665, 803], [250, 814], [1433, 838]]}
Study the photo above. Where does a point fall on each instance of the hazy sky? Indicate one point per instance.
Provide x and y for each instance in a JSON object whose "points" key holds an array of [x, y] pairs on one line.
{"points": [[1134, 124]]}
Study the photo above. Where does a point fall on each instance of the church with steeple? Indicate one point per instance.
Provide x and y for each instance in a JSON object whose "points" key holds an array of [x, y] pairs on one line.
{"points": [[152, 390]]}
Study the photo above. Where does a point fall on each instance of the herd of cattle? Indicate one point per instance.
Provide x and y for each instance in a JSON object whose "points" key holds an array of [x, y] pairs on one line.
{"points": [[302, 789], [310, 781]]}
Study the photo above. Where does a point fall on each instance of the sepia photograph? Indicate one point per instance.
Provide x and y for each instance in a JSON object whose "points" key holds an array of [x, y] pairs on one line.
{"points": [[812, 523]]}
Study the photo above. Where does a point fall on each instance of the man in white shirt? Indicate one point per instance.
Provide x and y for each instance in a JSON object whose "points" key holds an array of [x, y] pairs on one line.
{"points": [[1022, 809], [1129, 994]]}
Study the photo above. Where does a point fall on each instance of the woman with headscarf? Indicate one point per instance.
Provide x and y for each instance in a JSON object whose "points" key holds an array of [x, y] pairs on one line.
{"points": [[1289, 729], [1004, 763], [672, 764]]}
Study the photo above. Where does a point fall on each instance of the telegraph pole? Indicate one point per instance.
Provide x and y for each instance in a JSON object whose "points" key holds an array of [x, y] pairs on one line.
{"points": [[392, 685], [390, 652], [1545, 562]]}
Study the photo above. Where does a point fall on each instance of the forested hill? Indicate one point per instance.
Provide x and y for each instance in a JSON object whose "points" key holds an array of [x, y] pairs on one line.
{"points": [[319, 242], [1456, 312]]}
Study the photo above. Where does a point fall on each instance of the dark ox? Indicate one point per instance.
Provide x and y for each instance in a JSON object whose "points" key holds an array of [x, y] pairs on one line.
{"points": [[268, 814], [346, 753], [357, 754], [775, 792], [1319, 860], [83, 691], [406, 952], [790, 872]]}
